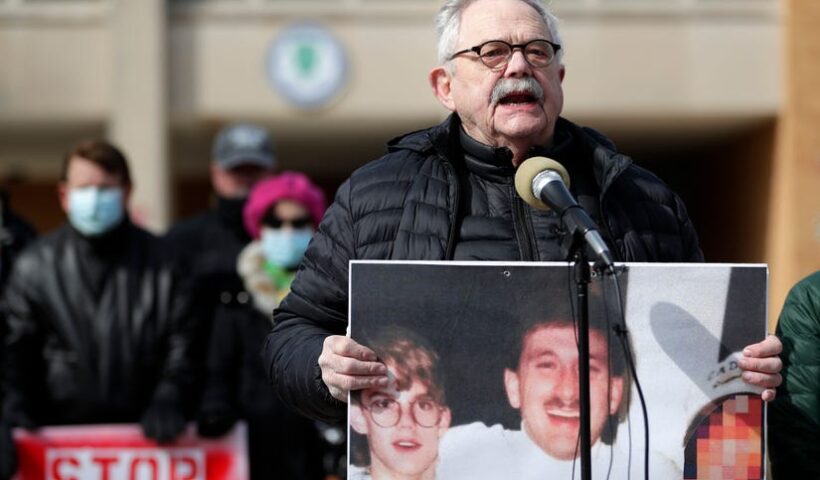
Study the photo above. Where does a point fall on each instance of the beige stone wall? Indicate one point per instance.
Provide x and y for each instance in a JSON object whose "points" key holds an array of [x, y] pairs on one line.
{"points": [[663, 75], [659, 80], [794, 229]]}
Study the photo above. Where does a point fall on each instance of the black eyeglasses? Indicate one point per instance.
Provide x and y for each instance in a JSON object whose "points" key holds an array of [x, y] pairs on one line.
{"points": [[496, 54], [295, 223], [386, 411]]}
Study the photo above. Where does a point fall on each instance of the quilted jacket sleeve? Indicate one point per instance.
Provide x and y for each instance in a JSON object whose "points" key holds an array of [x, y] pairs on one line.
{"points": [[690, 246], [794, 416], [315, 308]]}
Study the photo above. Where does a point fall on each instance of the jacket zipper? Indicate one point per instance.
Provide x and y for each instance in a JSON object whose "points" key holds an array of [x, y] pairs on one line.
{"points": [[522, 233], [449, 250]]}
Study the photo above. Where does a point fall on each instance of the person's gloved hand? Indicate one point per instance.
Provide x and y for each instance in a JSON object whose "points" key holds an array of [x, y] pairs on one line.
{"points": [[8, 453], [164, 419], [215, 420], [13, 415]]}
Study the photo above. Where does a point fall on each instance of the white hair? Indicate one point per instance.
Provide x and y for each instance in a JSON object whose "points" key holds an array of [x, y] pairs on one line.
{"points": [[448, 24]]}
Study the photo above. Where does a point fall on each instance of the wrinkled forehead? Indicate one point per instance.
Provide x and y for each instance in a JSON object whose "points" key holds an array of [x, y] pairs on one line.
{"points": [[508, 20]]}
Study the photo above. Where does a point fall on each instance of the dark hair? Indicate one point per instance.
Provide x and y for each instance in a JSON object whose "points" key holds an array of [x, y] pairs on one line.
{"points": [[101, 153], [539, 311]]}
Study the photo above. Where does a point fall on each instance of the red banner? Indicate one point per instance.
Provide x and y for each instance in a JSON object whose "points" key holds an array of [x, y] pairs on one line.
{"points": [[121, 452]]}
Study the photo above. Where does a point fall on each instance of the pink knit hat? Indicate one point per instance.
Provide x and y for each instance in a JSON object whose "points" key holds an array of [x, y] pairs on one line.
{"points": [[285, 186]]}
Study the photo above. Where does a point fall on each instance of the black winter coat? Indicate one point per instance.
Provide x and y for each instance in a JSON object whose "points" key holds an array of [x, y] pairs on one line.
{"points": [[206, 247], [76, 356], [406, 206], [15, 234], [281, 444]]}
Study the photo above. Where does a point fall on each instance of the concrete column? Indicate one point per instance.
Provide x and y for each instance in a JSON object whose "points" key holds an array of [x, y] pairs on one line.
{"points": [[794, 230], [139, 116]]}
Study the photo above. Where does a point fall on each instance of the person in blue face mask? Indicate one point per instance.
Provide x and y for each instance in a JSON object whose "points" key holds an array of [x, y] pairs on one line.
{"points": [[98, 329], [281, 215]]}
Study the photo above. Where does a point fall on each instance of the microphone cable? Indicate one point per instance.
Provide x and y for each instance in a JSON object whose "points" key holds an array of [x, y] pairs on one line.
{"points": [[622, 332], [571, 288]]}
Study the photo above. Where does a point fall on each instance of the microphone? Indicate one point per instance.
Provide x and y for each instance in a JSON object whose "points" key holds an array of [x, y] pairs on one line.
{"points": [[542, 183]]}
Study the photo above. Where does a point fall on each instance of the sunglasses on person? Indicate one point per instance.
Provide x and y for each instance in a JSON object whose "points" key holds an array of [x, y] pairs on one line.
{"points": [[273, 221]]}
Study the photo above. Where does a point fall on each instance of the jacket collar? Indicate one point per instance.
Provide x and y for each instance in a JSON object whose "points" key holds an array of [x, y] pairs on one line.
{"points": [[444, 138], [607, 163], [229, 212], [495, 163], [107, 245]]}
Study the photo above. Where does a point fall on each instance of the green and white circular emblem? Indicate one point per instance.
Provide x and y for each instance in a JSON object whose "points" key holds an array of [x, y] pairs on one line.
{"points": [[307, 65]]}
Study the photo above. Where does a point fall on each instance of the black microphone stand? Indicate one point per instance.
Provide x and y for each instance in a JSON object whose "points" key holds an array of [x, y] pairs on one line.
{"points": [[575, 247]]}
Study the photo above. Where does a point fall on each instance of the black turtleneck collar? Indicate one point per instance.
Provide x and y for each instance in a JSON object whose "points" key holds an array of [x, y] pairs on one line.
{"points": [[484, 160], [229, 211], [105, 245], [99, 254], [495, 163]]}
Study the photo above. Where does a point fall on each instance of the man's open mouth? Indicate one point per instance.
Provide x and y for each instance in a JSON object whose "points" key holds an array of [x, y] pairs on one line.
{"points": [[518, 98]]}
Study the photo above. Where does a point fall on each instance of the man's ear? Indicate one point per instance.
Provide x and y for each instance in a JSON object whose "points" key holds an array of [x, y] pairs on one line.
{"points": [[511, 386], [444, 423], [616, 394], [562, 72], [441, 83], [62, 195], [357, 420], [126, 196]]}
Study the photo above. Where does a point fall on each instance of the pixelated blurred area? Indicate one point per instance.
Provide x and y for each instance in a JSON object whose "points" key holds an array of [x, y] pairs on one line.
{"points": [[728, 444]]}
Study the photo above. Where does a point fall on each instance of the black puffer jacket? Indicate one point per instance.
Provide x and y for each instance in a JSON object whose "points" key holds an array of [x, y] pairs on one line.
{"points": [[94, 340], [409, 205]]}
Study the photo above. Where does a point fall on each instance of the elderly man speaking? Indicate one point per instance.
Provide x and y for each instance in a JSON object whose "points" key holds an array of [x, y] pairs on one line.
{"points": [[447, 193]]}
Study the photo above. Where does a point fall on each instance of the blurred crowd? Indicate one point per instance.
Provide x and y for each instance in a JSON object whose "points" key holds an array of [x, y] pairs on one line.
{"points": [[104, 322]]}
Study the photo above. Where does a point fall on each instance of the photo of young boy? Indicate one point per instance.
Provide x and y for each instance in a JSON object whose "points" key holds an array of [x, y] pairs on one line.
{"points": [[403, 422]]}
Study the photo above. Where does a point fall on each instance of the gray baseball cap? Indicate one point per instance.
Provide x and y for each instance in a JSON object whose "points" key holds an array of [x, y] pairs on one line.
{"points": [[243, 144]]}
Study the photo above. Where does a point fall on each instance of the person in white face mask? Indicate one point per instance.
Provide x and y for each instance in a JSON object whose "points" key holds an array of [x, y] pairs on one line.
{"points": [[98, 329], [281, 215]]}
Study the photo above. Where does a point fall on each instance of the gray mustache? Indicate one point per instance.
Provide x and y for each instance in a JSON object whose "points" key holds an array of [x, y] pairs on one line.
{"points": [[506, 86]]}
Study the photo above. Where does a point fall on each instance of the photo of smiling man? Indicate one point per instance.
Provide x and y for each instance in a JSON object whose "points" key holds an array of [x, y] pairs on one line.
{"points": [[541, 382], [404, 421], [543, 385]]}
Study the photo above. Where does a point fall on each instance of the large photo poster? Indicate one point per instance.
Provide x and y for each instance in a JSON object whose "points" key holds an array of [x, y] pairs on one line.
{"points": [[483, 361]]}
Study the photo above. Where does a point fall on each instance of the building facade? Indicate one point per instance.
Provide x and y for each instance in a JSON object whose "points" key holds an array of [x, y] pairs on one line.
{"points": [[716, 96]]}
